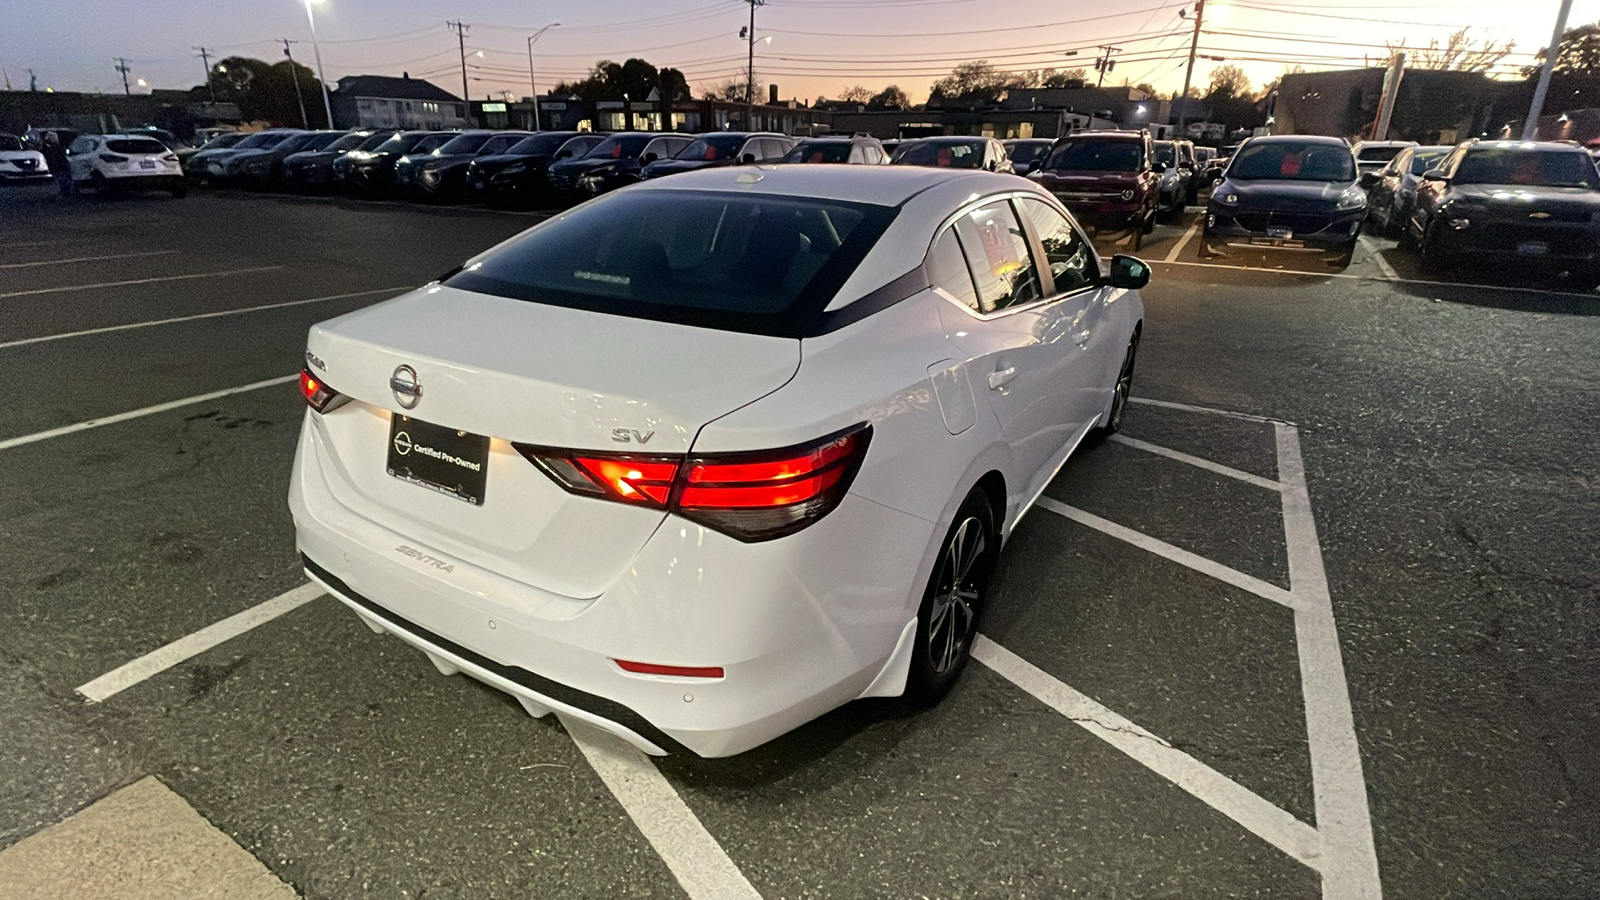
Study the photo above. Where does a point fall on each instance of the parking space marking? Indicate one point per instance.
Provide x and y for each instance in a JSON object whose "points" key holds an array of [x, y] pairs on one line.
{"points": [[1384, 278], [1259, 817], [701, 866], [1183, 242], [78, 259], [1264, 590], [9, 443], [108, 284], [1195, 461], [190, 646], [1339, 787], [1210, 411], [1376, 254], [209, 315]]}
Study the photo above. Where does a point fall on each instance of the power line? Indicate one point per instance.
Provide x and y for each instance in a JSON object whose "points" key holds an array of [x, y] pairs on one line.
{"points": [[205, 59]]}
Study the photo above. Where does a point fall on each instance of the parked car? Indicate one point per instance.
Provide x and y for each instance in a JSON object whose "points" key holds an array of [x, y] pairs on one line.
{"points": [[721, 148], [1374, 155], [1107, 179], [954, 152], [442, 176], [1392, 190], [1190, 161], [1499, 202], [613, 163], [206, 135], [858, 150], [219, 142], [262, 167], [209, 164], [890, 146], [521, 176], [170, 140], [113, 163], [1026, 153], [19, 165], [1287, 192], [33, 138], [594, 469], [1172, 180], [372, 171], [312, 169], [1219, 163], [458, 149]]}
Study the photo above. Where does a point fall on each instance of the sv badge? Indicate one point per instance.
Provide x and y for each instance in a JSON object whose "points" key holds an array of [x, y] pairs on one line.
{"points": [[630, 436]]}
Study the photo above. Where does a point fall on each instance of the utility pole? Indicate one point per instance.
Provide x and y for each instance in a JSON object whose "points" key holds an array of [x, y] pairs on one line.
{"points": [[294, 73], [122, 66], [205, 58], [33, 81], [1105, 64], [1188, 74], [533, 83], [461, 30], [750, 68], [1391, 93], [316, 49], [1531, 127]]}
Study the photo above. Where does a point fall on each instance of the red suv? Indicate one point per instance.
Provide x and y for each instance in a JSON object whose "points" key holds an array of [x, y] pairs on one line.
{"points": [[1108, 179]]}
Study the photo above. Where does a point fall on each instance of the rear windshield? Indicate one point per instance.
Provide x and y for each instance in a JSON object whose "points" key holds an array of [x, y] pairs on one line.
{"points": [[464, 143], [9, 144], [1379, 154], [1097, 156], [954, 156], [818, 152], [1423, 160], [540, 144], [1293, 161], [722, 146], [1027, 153], [1533, 168], [736, 262], [136, 145]]}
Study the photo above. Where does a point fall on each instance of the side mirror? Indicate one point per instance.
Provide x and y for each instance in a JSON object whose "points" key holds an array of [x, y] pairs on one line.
{"points": [[1129, 272], [1435, 175], [1370, 180], [748, 158], [648, 158]]}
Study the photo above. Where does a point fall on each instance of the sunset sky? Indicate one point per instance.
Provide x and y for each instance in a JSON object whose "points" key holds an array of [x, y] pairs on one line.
{"points": [[817, 48]]}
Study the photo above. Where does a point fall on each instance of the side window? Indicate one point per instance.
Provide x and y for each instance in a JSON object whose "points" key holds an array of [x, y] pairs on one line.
{"points": [[997, 253], [81, 145], [947, 270], [1072, 262], [874, 156], [776, 148], [856, 155]]}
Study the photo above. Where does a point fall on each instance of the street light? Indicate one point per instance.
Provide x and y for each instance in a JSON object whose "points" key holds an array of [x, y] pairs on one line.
{"points": [[532, 83], [327, 106]]}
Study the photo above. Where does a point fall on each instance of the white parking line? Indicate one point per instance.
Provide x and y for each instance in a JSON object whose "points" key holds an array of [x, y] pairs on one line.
{"points": [[8, 443], [699, 863], [1183, 242], [79, 259], [107, 284], [1376, 254], [190, 646], [1266, 821], [1384, 279], [1208, 410], [1195, 461], [209, 315], [1339, 786], [1264, 590]]}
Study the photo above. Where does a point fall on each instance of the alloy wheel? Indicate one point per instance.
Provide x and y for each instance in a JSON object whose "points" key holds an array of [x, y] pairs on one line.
{"points": [[954, 612]]}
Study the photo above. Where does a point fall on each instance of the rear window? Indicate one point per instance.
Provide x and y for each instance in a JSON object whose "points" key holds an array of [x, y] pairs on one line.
{"points": [[953, 156], [1422, 162], [1379, 154], [1097, 156], [819, 152], [136, 145], [1524, 167], [1027, 153], [1293, 161], [736, 262]]}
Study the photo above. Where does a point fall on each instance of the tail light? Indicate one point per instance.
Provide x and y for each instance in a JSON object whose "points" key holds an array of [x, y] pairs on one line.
{"points": [[318, 395], [749, 496]]}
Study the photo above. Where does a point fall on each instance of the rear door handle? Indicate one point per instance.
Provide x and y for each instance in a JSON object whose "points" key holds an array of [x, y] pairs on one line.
{"points": [[999, 378]]}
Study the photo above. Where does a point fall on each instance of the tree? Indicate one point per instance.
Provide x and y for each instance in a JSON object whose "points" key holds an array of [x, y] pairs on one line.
{"points": [[1068, 78], [1146, 87], [856, 94], [630, 80], [972, 82], [1577, 54], [1229, 98], [231, 77], [890, 97], [1456, 55], [265, 91], [733, 89], [1229, 81], [1271, 86]]}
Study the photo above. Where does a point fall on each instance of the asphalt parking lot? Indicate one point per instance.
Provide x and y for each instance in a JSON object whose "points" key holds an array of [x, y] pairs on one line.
{"points": [[1324, 623]]}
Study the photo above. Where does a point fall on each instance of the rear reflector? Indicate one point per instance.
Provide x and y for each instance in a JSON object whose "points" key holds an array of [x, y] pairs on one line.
{"points": [[639, 668]]}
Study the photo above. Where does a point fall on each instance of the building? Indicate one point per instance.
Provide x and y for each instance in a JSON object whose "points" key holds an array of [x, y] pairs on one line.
{"points": [[1431, 106], [180, 112], [383, 101]]}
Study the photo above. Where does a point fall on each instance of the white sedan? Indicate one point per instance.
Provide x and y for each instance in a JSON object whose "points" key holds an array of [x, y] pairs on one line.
{"points": [[704, 458]]}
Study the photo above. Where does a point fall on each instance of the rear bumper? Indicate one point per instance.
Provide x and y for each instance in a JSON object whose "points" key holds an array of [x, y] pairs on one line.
{"points": [[800, 625]]}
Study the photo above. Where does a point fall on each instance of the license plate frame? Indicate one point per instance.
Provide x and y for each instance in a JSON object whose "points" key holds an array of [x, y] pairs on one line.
{"points": [[147, 164], [444, 460], [1280, 232]]}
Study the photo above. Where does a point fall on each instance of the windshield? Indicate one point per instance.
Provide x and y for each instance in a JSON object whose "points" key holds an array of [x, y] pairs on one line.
{"points": [[1096, 156], [722, 146], [461, 143], [430, 143], [732, 261], [1379, 154], [1293, 161], [1027, 153], [224, 140], [376, 141], [540, 144], [136, 145], [818, 152], [320, 141], [1165, 153], [943, 155], [1527, 167], [346, 142], [1423, 160], [500, 143], [9, 144], [262, 139], [619, 146]]}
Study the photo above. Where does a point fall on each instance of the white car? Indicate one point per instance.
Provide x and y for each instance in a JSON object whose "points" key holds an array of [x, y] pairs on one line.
{"points": [[20, 166], [706, 457], [117, 162], [1371, 156]]}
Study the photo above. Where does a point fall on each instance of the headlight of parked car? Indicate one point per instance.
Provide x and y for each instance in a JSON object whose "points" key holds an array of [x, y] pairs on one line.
{"points": [[1352, 198]]}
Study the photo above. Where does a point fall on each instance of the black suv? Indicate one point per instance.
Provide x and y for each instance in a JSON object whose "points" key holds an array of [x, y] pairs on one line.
{"points": [[722, 148], [1509, 201], [612, 164], [1295, 192]]}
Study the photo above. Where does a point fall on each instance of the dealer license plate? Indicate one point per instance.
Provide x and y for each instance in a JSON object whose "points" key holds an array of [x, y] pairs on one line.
{"points": [[147, 164], [453, 463]]}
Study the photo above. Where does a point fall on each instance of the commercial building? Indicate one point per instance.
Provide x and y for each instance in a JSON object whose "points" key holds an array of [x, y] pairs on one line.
{"points": [[383, 101]]}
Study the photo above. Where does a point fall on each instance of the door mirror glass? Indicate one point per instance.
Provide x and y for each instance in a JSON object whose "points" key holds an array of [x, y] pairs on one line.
{"points": [[649, 158], [1129, 272]]}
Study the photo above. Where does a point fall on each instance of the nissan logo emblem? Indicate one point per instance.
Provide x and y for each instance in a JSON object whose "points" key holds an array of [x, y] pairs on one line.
{"points": [[407, 389]]}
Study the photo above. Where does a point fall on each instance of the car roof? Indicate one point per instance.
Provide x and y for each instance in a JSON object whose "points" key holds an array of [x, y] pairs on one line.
{"points": [[949, 139], [1523, 145], [1386, 143], [878, 185], [1104, 135], [1298, 139]]}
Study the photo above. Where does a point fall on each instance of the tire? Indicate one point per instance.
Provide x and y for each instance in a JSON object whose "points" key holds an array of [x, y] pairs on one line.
{"points": [[1119, 392], [952, 605], [1432, 260], [1139, 231]]}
